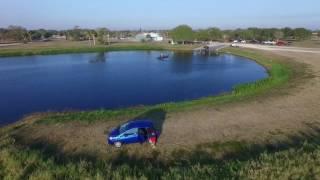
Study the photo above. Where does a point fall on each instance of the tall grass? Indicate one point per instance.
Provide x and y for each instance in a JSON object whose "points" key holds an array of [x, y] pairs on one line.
{"points": [[298, 162], [279, 74]]}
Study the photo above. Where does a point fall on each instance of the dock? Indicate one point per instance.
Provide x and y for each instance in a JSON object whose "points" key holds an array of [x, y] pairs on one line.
{"points": [[210, 48]]}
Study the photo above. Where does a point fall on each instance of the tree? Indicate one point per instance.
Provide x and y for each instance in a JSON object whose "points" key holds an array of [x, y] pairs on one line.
{"points": [[214, 34], [182, 33], [236, 34], [75, 34], [287, 33], [246, 34], [17, 33], [301, 33], [35, 35], [93, 35], [256, 33], [103, 35], [227, 35], [88, 36], [47, 34], [267, 34], [2, 34], [278, 34], [202, 35], [211, 34]]}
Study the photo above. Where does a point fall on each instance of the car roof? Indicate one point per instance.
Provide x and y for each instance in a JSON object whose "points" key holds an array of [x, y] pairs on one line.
{"points": [[144, 123]]}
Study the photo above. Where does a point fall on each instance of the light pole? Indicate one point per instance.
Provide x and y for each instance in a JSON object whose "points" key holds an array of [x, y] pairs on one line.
{"points": [[108, 40]]}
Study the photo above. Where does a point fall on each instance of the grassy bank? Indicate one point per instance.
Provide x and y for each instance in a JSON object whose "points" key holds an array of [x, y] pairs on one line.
{"points": [[292, 161], [279, 74], [65, 47]]}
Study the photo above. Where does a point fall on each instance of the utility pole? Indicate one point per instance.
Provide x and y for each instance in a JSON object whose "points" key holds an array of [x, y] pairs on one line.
{"points": [[94, 39], [108, 38]]}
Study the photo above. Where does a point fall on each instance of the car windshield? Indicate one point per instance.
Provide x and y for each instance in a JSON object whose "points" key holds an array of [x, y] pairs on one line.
{"points": [[123, 128]]}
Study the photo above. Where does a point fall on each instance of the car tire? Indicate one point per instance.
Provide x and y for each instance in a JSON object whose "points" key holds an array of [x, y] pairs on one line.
{"points": [[117, 144]]}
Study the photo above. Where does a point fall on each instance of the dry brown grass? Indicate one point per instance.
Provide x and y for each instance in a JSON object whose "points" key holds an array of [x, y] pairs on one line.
{"points": [[307, 44]]}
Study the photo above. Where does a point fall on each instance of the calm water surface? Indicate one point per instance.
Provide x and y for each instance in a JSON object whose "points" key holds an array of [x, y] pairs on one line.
{"points": [[114, 79]]}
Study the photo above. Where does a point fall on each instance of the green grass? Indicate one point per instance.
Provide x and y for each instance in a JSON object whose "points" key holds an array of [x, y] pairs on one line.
{"points": [[50, 51], [279, 74], [299, 161], [75, 47]]}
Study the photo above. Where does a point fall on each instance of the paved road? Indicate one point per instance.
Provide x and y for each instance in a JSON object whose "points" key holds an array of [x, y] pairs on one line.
{"points": [[280, 48], [11, 44]]}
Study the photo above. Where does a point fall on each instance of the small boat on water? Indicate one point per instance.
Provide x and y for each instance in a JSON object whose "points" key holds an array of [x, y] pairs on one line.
{"points": [[162, 57]]}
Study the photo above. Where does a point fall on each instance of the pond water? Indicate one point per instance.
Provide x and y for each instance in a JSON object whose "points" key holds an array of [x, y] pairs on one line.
{"points": [[114, 80]]}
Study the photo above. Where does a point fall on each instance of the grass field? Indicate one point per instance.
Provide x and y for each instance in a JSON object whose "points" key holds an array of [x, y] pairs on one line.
{"points": [[299, 160], [61, 47], [307, 44]]}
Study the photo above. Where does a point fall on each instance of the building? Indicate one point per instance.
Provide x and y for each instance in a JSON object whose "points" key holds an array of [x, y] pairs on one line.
{"points": [[149, 37]]}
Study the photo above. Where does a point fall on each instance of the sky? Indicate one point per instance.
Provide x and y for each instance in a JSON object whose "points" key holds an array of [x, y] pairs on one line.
{"points": [[159, 14]]}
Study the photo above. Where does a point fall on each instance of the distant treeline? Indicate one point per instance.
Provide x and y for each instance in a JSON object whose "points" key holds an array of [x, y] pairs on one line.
{"points": [[21, 34], [186, 33], [180, 33]]}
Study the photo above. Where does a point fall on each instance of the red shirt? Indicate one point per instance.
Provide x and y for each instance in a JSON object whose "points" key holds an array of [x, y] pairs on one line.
{"points": [[152, 136]]}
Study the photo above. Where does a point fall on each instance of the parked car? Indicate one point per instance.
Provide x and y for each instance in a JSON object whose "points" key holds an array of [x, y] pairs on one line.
{"points": [[234, 45], [281, 43], [269, 42], [136, 131], [254, 41]]}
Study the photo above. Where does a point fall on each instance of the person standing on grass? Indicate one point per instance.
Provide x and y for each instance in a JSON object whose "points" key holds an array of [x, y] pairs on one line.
{"points": [[152, 137]]}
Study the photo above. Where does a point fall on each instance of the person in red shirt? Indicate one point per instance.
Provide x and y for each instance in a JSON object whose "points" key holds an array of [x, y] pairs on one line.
{"points": [[152, 137]]}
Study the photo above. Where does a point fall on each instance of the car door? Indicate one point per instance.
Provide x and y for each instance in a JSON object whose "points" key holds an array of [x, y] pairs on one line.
{"points": [[130, 136]]}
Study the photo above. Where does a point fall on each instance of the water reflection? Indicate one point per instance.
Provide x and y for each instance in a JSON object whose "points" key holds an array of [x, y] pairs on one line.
{"points": [[181, 63], [99, 58]]}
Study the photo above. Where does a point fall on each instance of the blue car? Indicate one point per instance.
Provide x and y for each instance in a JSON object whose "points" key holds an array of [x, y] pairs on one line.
{"points": [[135, 131]]}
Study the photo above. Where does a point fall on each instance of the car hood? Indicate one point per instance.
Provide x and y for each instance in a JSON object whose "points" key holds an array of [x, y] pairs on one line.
{"points": [[114, 132]]}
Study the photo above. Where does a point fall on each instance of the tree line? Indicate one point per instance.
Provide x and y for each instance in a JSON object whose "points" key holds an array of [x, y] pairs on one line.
{"points": [[185, 33], [181, 33], [21, 34]]}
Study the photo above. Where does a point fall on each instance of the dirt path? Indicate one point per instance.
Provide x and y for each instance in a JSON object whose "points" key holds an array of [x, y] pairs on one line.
{"points": [[11, 44], [255, 120], [281, 48]]}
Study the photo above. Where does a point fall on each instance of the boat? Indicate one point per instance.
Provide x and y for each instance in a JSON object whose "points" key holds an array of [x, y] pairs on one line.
{"points": [[162, 57]]}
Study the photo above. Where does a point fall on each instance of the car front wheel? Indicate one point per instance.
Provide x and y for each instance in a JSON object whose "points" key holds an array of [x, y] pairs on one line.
{"points": [[117, 144]]}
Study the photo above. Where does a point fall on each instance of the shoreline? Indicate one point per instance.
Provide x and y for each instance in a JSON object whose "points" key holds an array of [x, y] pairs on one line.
{"points": [[236, 94], [60, 49]]}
